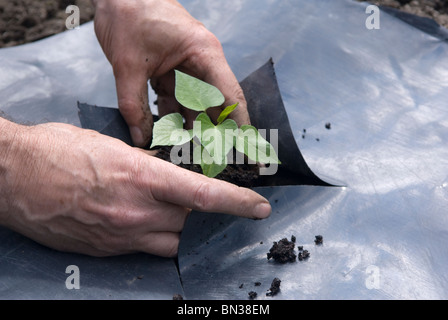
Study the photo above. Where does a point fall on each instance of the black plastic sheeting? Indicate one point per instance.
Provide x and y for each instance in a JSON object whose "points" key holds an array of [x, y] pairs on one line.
{"points": [[427, 25], [266, 112], [384, 93]]}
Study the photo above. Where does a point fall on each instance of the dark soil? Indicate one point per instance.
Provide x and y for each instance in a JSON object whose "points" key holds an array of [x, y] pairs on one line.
{"points": [[272, 291], [178, 297], [319, 240], [275, 287], [303, 255], [282, 251], [23, 21], [433, 9], [243, 175]]}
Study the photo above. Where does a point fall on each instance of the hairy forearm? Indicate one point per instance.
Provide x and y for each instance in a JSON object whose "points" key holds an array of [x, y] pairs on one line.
{"points": [[9, 136]]}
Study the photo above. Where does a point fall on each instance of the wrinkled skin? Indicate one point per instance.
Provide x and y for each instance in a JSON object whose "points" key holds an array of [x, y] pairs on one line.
{"points": [[79, 191], [148, 39]]}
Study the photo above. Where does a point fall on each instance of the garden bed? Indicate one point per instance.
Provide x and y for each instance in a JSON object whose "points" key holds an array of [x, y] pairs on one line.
{"points": [[24, 21]]}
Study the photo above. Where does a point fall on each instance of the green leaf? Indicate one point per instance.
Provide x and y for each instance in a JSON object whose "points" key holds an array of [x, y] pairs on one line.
{"points": [[225, 113], [196, 94], [209, 168], [250, 142], [217, 140], [169, 131]]}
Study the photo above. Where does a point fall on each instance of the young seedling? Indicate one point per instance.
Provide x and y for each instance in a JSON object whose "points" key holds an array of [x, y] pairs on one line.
{"points": [[212, 142]]}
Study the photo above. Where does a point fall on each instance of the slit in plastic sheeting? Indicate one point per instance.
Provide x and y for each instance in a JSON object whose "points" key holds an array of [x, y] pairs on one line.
{"points": [[266, 110]]}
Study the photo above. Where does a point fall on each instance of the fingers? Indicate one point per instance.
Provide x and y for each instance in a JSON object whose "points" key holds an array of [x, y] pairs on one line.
{"points": [[164, 244], [163, 86], [196, 191], [169, 218], [226, 82], [148, 152], [156, 233], [205, 60], [160, 233], [132, 94], [211, 66]]}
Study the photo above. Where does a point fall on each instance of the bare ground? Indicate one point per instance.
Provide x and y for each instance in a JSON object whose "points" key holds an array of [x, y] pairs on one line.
{"points": [[23, 21], [434, 9]]}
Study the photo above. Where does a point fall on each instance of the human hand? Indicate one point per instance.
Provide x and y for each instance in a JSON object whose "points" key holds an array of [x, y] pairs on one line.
{"points": [[76, 190], [147, 39]]}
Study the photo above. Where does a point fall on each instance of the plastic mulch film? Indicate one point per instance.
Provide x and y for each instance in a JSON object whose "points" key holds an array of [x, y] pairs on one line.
{"points": [[266, 111], [366, 107]]}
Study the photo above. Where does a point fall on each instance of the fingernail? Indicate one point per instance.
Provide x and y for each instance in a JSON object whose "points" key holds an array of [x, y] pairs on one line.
{"points": [[263, 210], [137, 136]]}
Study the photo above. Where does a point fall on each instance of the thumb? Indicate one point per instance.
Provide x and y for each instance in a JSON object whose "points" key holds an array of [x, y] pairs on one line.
{"points": [[211, 66], [222, 77], [132, 95]]}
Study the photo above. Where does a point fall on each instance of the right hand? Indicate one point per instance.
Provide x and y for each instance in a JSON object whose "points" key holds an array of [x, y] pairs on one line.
{"points": [[80, 191], [148, 39]]}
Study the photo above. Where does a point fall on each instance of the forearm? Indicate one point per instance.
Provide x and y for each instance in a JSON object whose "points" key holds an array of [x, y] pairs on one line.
{"points": [[9, 136]]}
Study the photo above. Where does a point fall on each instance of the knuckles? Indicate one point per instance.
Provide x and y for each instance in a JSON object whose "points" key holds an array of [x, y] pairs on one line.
{"points": [[201, 198]]}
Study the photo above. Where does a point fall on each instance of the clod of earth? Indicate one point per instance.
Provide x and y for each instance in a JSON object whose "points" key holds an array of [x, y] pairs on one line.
{"points": [[303, 255], [282, 251], [275, 287], [252, 295]]}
